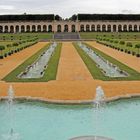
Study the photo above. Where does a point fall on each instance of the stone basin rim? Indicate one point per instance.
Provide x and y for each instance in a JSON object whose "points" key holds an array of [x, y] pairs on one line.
{"points": [[71, 102], [91, 138]]}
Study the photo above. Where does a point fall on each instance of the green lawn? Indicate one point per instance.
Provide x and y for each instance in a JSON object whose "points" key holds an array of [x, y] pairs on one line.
{"points": [[121, 47], [25, 36], [50, 73], [97, 73], [14, 49], [5, 42], [120, 35]]}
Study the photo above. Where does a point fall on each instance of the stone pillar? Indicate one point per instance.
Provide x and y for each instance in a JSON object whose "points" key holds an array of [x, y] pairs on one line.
{"points": [[14, 28], [95, 27], [25, 28], [111, 27]]}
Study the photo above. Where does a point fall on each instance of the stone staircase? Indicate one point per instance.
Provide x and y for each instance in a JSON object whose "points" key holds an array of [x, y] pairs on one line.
{"points": [[66, 36]]}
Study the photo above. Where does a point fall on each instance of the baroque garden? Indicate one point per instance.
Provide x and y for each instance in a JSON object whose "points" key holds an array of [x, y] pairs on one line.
{"points": [[80, 75]]}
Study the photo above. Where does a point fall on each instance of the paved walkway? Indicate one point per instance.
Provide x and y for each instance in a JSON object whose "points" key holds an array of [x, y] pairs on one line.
{"points": [[71, 90], [10, 63], [129, 60], [71, 66]]}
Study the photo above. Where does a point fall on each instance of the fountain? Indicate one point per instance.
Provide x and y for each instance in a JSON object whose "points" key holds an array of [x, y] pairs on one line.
{"points": [[100, 97], [98, 102], [10, 101]]}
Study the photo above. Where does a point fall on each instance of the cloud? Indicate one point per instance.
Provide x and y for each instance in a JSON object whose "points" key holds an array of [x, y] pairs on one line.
{"points": [[66, 8], [7, 7], [127, 12]]}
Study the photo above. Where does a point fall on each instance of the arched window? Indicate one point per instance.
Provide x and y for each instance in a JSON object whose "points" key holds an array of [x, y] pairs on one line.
{"points": [[22, 28], [98, 28], [103, 28], [93, 28], [33, 28], [50, 28], [135, 28], [125, 28], [66, 29], [73, 28], [44, 28], [120, 28], [1, 29], [87, 28], [27, 28], [6, 29], [130, 28], [82, 29], [17, 29], [58, 28]]}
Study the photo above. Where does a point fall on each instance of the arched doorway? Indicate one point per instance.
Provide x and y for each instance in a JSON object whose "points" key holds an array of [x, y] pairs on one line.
{"points": [[93, 28], [73, 28], [87, 28], [82, 29], [135, 28], [125, 28], [22, 28], [27, 28], [114, 28], [17, 29], [66, 28], [33, 28], [11, 29], [6, 29], [103, 28], [109, 28], [39, 28], [1, 29], [98, 28], [120, 28], [44, 28], [130, 28], [58, 28], [50, 28]]}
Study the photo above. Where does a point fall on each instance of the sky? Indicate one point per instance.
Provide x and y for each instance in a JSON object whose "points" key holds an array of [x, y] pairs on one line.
{"points": [[66, 8]]}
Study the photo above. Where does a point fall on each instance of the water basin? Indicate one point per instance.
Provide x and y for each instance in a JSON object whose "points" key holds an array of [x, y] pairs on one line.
{"points": [[39, 121]]}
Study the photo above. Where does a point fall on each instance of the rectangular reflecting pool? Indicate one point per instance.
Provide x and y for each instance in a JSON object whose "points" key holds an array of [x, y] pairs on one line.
{"points": [[106, 67], [37, 69]]}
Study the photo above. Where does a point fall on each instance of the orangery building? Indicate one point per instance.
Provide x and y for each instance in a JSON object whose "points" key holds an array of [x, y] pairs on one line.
{"points": [[80, 23]]}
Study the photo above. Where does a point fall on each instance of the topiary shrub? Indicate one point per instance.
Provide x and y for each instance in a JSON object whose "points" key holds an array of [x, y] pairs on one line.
{"points": [[133, 53], [126, 51], [15, 44], [122, 42], [129, 44], [116, 41], [129, 52]]}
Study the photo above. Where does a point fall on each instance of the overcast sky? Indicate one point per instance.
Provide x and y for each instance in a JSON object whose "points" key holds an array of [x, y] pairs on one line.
{"points": [[66, 8]]}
